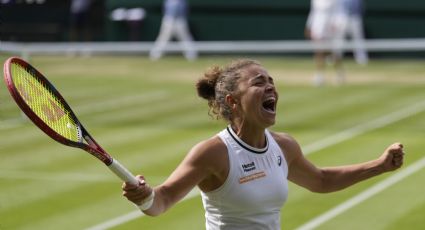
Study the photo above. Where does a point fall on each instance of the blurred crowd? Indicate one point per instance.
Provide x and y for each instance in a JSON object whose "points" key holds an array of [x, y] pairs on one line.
{"points": [[328, 22]]}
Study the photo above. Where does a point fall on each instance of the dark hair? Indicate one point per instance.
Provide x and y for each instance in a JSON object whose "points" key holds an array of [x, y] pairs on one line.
{"points": [[218, 82]]}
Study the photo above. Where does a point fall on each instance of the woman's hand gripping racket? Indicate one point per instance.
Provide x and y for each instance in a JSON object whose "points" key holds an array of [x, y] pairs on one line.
{"points": [[44, 106]]}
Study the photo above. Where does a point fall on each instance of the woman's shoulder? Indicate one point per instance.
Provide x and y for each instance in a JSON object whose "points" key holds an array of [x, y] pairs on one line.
{"points": [[211, 155], [288, 144], [283, 138], [209, 149]]}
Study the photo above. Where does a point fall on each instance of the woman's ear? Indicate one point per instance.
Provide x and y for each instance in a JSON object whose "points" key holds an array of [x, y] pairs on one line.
{"points": [[231, 101]]}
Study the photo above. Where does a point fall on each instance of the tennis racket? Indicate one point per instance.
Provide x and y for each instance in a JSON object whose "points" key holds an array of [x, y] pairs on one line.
{"points": [[48, 110]]}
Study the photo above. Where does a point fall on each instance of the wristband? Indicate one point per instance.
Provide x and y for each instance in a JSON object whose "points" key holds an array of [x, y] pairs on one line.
{"points": [[148, 202]]}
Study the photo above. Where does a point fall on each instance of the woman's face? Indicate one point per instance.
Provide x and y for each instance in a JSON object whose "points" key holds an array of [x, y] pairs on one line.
{"points": [[256, 97]]}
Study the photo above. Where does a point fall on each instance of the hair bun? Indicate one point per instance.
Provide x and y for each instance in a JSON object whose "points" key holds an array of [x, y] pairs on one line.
{"points": [[206, 85]]}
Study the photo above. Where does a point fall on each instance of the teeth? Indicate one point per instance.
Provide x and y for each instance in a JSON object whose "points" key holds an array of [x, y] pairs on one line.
{"points": [[267, 104], [270, 99]]}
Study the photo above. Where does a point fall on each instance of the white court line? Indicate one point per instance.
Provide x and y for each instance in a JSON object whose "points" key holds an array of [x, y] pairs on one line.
{"points": [[365, 127], [132, 215], [311, 148], [379, 187]]}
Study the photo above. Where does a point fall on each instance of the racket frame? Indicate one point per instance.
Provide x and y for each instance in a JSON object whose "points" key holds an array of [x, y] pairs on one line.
{"points": [[91, 147]]}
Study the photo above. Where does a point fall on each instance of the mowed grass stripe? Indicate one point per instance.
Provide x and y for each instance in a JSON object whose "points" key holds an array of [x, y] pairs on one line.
{"points": [[386, 189], [89, 107], [47, 151], [109, 102], [350, 101], [75, 200], [413, 217], [34, 137], [155, 97], [116, 143], [113, 222], [87, 166], [366, 126], [134, 113], [327, 106], [308, 126], [78, 90], [69, 159]]}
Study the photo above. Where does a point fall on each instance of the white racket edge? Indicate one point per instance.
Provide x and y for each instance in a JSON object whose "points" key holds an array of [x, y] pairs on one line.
{"points": [[125, 175]]}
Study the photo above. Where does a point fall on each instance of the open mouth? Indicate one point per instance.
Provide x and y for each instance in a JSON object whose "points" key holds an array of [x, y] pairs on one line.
{"points": [[270, 104]]}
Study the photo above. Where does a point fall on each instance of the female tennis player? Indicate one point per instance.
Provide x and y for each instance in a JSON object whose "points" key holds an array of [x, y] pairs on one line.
{"points": [[243, 171]]}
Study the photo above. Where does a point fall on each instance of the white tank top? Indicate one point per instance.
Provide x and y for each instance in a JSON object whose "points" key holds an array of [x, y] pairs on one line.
{"points": [[255, 189]]}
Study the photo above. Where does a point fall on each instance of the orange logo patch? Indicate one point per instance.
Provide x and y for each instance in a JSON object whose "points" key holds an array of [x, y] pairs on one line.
{"points": [[252, 177]]}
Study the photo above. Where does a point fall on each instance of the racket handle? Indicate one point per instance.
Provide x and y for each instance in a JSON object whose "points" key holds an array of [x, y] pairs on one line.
{"points": [[122, 172], [127, 176]]}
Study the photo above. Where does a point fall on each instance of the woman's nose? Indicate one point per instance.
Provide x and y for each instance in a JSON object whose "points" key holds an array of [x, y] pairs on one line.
{"points": [[269, 87]]}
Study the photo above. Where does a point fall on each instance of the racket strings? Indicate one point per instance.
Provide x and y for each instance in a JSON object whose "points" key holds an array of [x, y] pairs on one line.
{"points": [[41, 98]]}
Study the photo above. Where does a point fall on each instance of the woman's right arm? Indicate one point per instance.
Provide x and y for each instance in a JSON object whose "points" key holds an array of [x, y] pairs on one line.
{"points": [[199, 165]]}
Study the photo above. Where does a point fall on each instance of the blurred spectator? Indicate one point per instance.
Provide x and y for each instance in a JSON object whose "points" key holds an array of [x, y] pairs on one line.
{"points": [[174, 24], [323, 26], [354, 28], [79, 21]]}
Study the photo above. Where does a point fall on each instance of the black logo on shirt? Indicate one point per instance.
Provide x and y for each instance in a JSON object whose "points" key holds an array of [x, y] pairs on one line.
{"points": [[248, 167], [279, 160]]}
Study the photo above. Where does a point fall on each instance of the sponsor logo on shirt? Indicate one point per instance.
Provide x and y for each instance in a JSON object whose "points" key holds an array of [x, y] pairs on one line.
{"points": [[248, 167]]}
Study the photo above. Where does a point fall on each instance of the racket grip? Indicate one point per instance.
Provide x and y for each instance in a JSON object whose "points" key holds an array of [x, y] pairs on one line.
{"points": [[127, 176], [123, 173]]}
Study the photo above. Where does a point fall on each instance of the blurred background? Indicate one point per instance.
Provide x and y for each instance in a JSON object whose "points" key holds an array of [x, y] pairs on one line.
{"points": [[209, 20]]}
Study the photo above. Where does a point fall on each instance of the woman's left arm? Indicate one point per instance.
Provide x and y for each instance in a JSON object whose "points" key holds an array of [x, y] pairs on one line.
{"points": [[337, 178], [330, 179]]}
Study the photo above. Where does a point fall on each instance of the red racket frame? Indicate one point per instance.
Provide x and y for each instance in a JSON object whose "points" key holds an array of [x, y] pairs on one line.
{"points": [[92, 147]]}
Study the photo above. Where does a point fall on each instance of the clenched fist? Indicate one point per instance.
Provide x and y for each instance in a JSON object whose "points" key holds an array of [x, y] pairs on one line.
{"points": [[392, 158]]}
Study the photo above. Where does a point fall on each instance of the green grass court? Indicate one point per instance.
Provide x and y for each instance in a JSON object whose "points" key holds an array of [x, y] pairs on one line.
{"points": [[147, 115]]}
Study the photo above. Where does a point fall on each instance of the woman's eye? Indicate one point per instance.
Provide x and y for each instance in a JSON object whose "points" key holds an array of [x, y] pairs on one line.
{"points": [[258, 83]]}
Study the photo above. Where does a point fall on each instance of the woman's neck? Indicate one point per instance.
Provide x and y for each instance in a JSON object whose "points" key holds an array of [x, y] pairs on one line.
{"points": [[253, 136]]}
